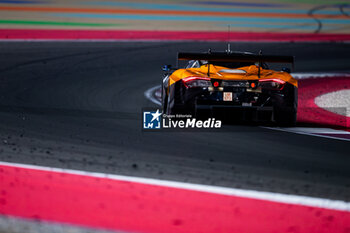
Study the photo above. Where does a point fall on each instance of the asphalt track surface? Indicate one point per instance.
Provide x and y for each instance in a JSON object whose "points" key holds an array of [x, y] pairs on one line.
{"points": [[78, 105]]}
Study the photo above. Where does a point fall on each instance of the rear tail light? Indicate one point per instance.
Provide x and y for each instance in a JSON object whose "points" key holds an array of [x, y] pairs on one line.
{"points": [[272, 84], [191, 82]]}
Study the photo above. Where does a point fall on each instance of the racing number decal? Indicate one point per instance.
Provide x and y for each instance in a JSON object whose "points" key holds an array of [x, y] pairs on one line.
{"points": [[227, 96]]}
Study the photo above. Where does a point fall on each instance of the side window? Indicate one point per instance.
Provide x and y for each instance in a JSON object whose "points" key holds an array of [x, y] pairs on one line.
{"points": [[192, 64]]}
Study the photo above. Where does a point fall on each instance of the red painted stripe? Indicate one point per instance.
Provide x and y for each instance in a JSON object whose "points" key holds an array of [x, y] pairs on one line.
{"points": [[63, 34], [310, 113], [136, 207]]}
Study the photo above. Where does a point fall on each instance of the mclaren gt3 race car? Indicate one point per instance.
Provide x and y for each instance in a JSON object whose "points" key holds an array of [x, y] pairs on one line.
{"points": [[231, 85]]}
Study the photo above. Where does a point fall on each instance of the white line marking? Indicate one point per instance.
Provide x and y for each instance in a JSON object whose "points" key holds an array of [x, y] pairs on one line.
{"points": [[309, 132], [266, 196], [337, 102], [149, 95], [317, 130], [320, 75]]}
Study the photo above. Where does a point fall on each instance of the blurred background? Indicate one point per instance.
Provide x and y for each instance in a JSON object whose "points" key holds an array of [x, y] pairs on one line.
{"points": [[286, 16]]}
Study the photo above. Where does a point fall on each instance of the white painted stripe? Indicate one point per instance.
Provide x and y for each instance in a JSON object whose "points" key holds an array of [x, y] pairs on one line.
{"points": [[266, 196], [320, 75], [317, 130], [149, 94], [311, 132], [337, 102]]}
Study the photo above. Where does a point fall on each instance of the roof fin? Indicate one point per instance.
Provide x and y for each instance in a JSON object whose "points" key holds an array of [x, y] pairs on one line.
{"points": [[228, 51], [260, 64], [209, 52]]}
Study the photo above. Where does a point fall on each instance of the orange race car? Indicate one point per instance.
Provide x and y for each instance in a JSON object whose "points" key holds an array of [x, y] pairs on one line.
{"points": [[231, 85]]}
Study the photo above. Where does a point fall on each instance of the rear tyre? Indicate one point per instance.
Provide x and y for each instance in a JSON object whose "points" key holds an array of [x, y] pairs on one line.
{"points": [[285, 118], [201, 114], [164, 100]]}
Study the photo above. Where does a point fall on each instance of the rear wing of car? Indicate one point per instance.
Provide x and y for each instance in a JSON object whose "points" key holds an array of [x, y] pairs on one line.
{"points": [[235, 57]]}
